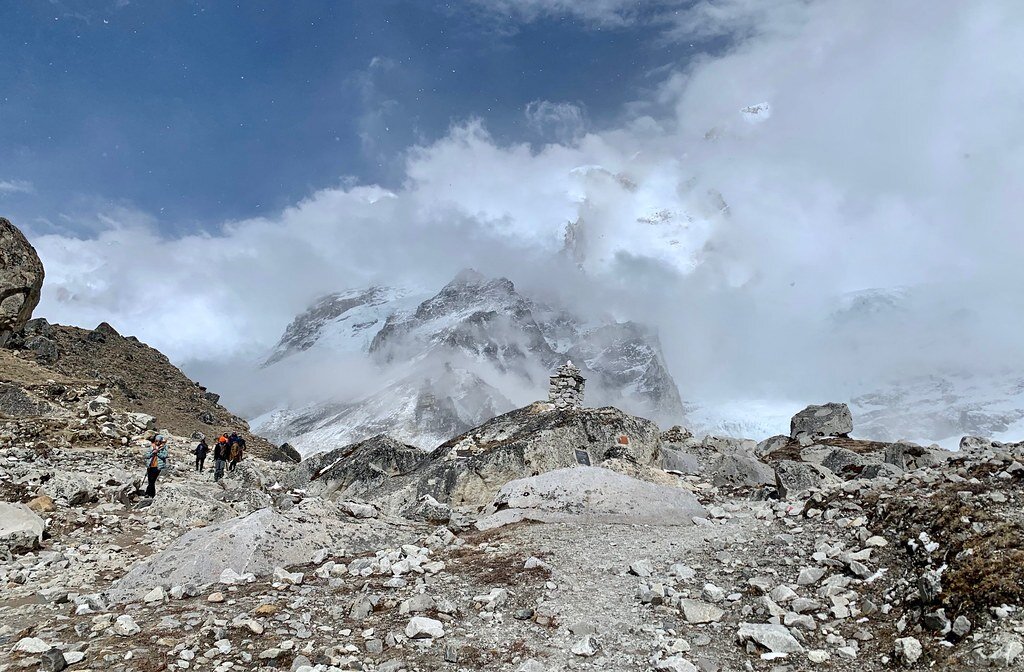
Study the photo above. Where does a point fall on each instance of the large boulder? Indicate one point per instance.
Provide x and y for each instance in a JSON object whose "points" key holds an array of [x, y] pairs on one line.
{"points": [[199, 505], [470, 469], [591, 494], [356, 469], [794, 478], [71, 488], [257, 544], [21, 280], [725, 461], [20, 529], [826, 420]]}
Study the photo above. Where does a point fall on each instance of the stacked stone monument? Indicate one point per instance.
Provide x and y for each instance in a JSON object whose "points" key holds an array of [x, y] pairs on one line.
{"points": [[566, 388]]}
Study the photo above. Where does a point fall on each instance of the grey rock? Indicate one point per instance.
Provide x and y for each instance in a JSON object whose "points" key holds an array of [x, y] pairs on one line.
{"points": [[586, 647], [21, 280], [676, 663], [591, 494], [775, 638], [830, 419], [420, 627], [642, 568], [1007, 653], [21, 529], [771, 444], [929, 585], [470, 469], [356, 469], [52, 661], [961, 627], [696, 611], [793, 478], [810, 575], [256, 543]]}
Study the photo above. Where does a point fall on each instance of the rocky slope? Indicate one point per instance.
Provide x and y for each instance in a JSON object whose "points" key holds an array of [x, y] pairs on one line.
{"points": [[133, 378], [666, 553], [465, 353]]}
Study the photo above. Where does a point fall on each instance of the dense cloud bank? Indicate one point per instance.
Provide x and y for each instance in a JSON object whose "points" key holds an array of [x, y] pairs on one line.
{"points": [[744, 207]]}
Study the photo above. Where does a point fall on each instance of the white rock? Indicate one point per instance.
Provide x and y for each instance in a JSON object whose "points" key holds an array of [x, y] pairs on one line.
{"points": [[72, 657], [907, 650], [423, 627], [32, 645], [676, 664], [586, 647], [286, 577], [125, 626]]}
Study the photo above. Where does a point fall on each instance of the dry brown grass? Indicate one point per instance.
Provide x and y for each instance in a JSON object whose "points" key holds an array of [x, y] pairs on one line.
{"points": [[985, 564]]}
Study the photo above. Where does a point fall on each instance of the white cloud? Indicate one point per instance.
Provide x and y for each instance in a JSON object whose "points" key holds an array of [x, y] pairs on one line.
{"points": [[890, 158], [16, 187], [563, 122], [601, 12]]}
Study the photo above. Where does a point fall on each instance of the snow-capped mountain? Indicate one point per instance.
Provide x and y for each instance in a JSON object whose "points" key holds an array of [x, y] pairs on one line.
{"points": [[419, 409], [486, 319], [343, 322], [944, 407], [473, 350]]}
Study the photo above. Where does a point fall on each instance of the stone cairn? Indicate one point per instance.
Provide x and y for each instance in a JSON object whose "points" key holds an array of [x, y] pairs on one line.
{"points": [[566, 389]]}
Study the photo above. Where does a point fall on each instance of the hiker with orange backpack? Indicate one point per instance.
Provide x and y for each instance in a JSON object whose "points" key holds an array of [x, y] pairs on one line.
{"points": [[156, 460]]}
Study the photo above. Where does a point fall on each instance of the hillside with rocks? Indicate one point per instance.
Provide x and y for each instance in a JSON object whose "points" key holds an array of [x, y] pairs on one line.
{"points": [[553, 536]]}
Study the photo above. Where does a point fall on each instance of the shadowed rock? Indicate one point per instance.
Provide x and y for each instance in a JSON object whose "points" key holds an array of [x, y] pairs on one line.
{"points": [[21, 279]]}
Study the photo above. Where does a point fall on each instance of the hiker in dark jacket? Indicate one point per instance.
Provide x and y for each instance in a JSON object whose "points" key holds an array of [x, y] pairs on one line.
{"points": [[201, 450], [236, 446], [156, 459], [220, 456]]}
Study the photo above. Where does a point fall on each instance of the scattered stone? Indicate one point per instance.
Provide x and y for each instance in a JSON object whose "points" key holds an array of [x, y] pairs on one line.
{"points": [[907, 650], [422, 627], [695, 611], [775, 638], [586, 647], [125, 626]]}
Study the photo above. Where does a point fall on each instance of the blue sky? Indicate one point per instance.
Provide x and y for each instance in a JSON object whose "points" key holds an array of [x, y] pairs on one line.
{"points": [[200, 112]]}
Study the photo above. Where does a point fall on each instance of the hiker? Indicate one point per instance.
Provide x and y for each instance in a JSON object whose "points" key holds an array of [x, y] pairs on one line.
{"points": [[220, 455], [157, 460], [201, 450], [236, 447]]}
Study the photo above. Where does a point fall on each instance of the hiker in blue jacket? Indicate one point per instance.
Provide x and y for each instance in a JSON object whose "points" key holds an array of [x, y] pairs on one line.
{"points": [[156, 460]]}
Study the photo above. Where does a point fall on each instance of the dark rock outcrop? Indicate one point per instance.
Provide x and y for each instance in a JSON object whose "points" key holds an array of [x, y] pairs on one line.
{"points": [[470, 469], [21, 280], [356, 469]]}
